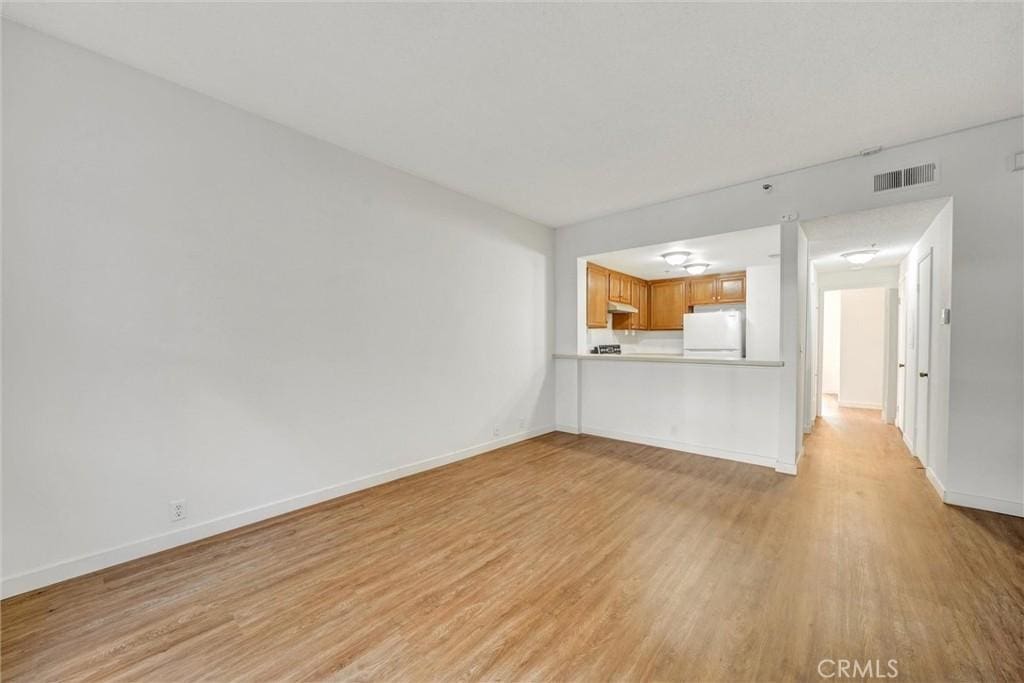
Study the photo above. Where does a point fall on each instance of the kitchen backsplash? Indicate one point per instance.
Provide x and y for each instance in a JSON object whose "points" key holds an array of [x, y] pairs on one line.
{"points": [[638, 341]]}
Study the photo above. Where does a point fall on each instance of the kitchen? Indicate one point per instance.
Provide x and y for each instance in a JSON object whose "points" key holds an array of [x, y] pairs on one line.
{"points": [[713, 298], [678, 346]]}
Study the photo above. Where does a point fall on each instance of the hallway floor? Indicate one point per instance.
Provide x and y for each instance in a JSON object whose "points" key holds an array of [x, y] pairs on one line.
{"points": [[568, 558]]}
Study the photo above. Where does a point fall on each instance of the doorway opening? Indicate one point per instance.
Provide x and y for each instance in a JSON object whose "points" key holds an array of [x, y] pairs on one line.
{"points": [[853, 350]]}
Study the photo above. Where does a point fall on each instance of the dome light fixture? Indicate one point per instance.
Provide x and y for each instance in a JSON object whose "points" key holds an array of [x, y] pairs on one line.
{"points": [[696, 268], [860, 257], [676, 258]]}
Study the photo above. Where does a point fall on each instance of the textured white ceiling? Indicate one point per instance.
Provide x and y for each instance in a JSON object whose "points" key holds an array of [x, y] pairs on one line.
{"points": [[562, 112], [727, 252], [893, 230]]}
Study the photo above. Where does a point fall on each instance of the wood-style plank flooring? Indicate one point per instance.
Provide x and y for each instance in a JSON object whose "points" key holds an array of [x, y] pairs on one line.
{"points": [[567, 558]]}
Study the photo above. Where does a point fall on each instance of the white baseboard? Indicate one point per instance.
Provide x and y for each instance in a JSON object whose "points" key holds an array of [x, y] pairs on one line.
{"points": [[852, 404], [725, 454], [967, 500], [786, 468], [790, 467], [85, 564], [936, 484], [571, 429]]}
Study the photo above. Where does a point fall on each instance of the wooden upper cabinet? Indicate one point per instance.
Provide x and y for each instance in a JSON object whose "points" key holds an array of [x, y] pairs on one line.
{"points": [[732, 288], [613, 286], [729, 288], [643, 318], [660, 304], [638, 300], [667, 304], [703, 290], [618, 287], [597, 296]]}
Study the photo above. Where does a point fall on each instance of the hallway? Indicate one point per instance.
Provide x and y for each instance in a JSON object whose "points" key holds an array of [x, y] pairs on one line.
{"points": [[568, 557], [917, 580]]}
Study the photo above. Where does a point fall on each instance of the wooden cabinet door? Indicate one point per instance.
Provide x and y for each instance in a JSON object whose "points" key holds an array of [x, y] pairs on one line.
{"points": [[634, 301], [667, 304], [622, 321], [732, 289], [618, 288], [597, 297], [703, 290], [637, 299], [643, 318]]}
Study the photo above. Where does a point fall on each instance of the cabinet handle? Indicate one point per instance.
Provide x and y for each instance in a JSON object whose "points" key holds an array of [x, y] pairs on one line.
{"points": [[922, 374], [902, 365]]}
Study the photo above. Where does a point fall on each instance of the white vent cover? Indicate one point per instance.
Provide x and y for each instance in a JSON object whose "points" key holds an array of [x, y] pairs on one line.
{"points": [[906, 177]]}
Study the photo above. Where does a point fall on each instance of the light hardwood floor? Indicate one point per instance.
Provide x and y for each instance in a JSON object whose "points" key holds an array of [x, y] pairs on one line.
{"points": [[567, 558]]}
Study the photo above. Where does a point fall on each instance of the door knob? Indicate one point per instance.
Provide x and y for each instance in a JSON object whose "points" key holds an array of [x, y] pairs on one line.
{"points": [[922, 374]]}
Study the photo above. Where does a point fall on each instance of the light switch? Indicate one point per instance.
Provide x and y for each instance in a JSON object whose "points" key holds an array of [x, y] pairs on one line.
{"points": [[944, 316]]}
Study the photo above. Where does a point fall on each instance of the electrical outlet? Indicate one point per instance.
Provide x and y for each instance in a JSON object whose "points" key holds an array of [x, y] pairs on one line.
{"points": [[497, 430], [522, 423], [178, 510]]}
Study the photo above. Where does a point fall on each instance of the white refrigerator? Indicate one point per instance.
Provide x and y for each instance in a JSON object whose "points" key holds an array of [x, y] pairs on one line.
{"points": [[718, 334]]}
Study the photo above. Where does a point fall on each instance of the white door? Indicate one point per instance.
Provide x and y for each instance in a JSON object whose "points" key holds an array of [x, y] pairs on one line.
{"points": [[901, 356], [924, 334]]}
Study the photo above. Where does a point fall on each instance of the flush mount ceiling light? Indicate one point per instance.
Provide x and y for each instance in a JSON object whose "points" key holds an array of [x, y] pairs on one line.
{"points": [[696, 268], [859, 258], [676, 258]]}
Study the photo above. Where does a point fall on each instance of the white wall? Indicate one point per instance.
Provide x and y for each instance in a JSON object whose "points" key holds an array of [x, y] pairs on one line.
{"points": [[811, 402], [890, 357], [987, 335], [804, 288], [762, 312], [830, 342], [712, 410], [861, 348], [882, 276], [201, 304]]}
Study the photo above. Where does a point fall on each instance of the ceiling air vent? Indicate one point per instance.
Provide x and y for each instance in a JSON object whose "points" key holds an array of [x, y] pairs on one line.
{"points": [[905, 177]]}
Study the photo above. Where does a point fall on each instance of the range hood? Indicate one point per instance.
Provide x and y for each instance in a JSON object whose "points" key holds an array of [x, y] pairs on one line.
{"points": [[614, 307]]}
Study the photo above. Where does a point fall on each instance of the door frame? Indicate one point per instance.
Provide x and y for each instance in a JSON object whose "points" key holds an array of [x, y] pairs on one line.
{"points": [[820, 350], [921, 441], [901, 354]]}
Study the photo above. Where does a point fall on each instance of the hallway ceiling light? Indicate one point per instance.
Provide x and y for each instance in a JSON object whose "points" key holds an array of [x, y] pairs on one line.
{"points": [[859, 258], [676, 258], [696, 268]]}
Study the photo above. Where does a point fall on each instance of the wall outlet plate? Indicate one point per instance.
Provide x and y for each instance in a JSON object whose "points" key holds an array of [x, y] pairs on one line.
{"points": [[178, 510]]}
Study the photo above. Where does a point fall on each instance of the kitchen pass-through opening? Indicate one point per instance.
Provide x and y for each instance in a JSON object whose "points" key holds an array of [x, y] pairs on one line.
{"points": [[714, 297]]}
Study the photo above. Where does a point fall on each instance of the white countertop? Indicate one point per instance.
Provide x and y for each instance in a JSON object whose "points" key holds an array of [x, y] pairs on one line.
{"points": [[669, 358]]}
